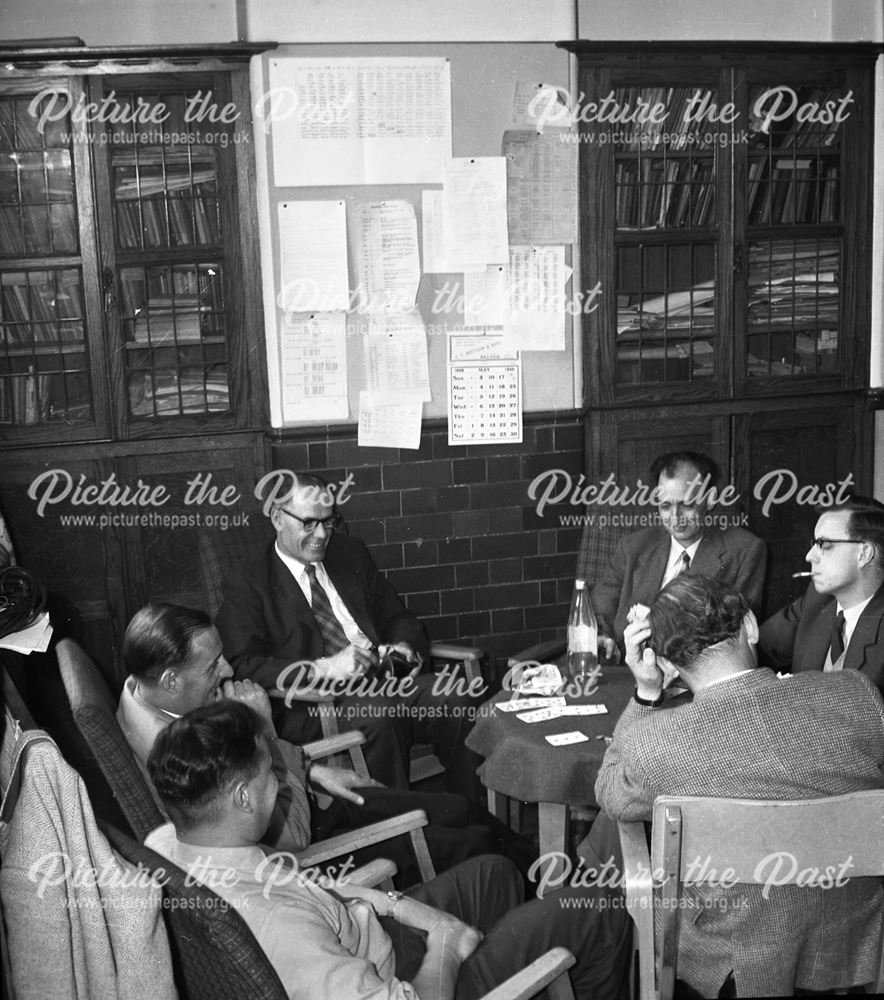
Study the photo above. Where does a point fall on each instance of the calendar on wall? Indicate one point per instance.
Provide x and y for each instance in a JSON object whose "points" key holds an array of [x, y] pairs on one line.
{"points": [[484, 402]]}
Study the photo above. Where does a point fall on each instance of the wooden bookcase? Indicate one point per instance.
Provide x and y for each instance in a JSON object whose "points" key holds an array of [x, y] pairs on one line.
{"points": [[726, 212], [131, 332]]}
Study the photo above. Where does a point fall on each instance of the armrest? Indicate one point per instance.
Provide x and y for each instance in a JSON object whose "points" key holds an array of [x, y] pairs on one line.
{"points": [[299, 694], [354, 840], [638, 884], [334, 744], [372, 874], [535, 977], [448, 651], [543, 652]]}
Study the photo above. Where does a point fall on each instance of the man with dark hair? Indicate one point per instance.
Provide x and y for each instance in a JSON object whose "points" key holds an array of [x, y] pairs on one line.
{"points": [[457, 936], [313, 606], [747, 734], [837, 623], [175, 663], [687, 540]]}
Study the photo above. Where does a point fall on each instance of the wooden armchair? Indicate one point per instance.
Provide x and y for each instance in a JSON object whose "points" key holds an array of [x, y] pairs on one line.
{"points": [[736, 834], [108, 766], [216, 957]]}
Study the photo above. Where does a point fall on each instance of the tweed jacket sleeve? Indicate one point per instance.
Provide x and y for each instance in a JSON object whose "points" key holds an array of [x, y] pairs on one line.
{"points": [[622, 789]]}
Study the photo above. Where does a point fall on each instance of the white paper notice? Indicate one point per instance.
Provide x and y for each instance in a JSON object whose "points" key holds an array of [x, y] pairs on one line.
{"points": [[314, 367], [540, 105], [386, 423], [484, 402], [475, 208], [313, 256], [536, 317], [475, 345], [541, 186], [369, 120], [436, 244], [387, 261], [395, 350], [485, 296]]}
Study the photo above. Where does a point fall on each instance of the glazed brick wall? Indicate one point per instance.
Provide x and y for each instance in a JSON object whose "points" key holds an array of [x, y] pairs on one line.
{"points": [[455, 531]]}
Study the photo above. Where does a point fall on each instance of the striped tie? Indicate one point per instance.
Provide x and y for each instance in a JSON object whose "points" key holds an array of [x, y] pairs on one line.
{"points": [[333, 635], [683, 564]]}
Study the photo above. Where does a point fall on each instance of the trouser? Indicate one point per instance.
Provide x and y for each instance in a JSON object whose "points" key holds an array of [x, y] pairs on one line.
{"points": [[452, 836], [392, 726], [486, 892]]}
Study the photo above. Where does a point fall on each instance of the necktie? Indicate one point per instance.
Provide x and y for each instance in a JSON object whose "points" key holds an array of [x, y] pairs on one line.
{"points": [[683, 564], [333, 635], [837, 638]]}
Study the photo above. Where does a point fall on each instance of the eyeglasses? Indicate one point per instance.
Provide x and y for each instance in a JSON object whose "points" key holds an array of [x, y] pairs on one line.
{"points": [[312, 523], [823, 543]]}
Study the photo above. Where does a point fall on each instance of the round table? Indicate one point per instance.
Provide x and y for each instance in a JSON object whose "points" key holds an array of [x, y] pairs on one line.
{"points": [[520, 763]]}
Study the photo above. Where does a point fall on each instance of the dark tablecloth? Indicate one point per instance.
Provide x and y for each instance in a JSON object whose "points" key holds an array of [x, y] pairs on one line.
{"points": [[520, 763]]}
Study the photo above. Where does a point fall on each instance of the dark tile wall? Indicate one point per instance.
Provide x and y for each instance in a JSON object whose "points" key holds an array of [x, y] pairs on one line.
{"points": [[455, 531]]}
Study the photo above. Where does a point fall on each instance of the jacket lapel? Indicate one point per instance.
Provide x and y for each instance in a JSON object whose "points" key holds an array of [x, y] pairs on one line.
{"points": [[710, 555], [866, 633], [286, 591], [649, 569]]}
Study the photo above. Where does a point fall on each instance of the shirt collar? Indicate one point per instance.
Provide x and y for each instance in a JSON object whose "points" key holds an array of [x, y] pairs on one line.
{"points": [[294, 566], [851, 615], [730, 677], [676, 549]]}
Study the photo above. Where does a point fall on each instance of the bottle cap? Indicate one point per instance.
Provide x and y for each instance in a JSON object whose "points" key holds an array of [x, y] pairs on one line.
{"points": [[579, 584]]}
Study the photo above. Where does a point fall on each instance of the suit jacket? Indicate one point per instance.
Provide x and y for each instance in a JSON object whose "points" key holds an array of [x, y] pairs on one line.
{"points": [[635, 571], [798, 636], [758, 736], [266, 623]]}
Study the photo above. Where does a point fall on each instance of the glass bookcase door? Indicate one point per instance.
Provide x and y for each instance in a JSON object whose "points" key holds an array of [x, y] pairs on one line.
{"points": [[665, 209], [45, 377], [794, 230], [170, 254]]}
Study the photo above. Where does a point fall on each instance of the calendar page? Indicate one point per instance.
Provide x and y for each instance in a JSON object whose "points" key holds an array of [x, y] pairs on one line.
{"points": [[484, 402]]}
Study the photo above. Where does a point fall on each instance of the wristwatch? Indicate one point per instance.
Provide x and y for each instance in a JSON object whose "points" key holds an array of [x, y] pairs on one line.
{"points": [[394, 896], [647, 702]]}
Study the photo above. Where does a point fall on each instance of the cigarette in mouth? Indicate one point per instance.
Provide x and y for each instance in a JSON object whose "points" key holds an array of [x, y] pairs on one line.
{"points": [[806, 572]]}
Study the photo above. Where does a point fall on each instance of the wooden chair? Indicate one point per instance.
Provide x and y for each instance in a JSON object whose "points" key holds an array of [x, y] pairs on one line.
{"points": [[218, 556], [216, 956], [735, 834], [111, 764]]}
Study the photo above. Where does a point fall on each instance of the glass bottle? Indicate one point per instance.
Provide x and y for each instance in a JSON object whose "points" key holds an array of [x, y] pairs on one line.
{"points": [[583, 659]]}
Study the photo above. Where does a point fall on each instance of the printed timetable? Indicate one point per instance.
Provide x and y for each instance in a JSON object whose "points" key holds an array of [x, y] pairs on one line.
{"points": [[485, 402]]}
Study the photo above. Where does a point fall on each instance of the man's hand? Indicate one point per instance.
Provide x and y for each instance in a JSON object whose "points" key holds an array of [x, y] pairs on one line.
{"points": [[642, 661], [352, 661], [608, 649], [251, 694], [340, 782], [407, 650]]}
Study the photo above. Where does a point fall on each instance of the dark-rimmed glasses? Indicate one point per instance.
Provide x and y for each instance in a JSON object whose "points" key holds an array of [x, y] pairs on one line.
{"points": [[823, 543], [312, 523]]}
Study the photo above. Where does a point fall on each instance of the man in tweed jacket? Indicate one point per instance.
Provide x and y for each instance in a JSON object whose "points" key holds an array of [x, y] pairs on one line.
{"points": [[746, 733]]}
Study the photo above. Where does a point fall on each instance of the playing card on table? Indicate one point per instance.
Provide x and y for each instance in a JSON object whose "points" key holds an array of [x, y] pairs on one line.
{"points": [[525, 704], [543, 714], [585, 710], [565, 739]]}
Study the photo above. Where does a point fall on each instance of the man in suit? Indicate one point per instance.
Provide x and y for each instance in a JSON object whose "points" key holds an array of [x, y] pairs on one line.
{"points": [[314, 606], [837, 623], [687, 540], [746, 733], [175, 663]]}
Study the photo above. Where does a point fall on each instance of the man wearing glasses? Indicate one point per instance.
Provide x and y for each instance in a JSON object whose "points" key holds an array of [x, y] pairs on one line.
{"points": [[316, 599], [837, 623]]}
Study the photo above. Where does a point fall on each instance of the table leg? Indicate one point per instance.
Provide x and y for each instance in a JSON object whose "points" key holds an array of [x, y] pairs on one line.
{"points": [[553, 824], [497, 804]]}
